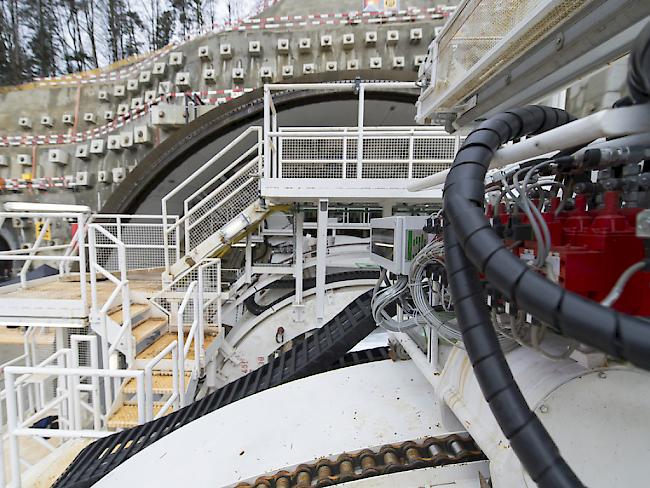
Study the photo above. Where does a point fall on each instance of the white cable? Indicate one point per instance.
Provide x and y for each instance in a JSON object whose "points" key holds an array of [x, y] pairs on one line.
{"points": [[618, 288]]}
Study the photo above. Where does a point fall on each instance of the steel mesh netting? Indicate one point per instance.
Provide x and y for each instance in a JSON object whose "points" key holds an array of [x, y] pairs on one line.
{"points": [[422, 170], [144, 245], [479, 27], [386, 148], [434, 148], [316, 169], [302, 148], [383, 157], [222, 205]]}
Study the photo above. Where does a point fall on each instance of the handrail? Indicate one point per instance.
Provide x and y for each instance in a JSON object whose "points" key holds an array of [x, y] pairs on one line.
{"points": [[167, 229], [222, 201], [101, 314], [16, 427], [214, 192], [29, 256], [148, 381], [181, 333]]}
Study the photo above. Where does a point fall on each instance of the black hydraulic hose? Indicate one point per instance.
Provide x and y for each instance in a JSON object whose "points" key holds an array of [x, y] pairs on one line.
{"points": [[638, 75], [467, 227]]}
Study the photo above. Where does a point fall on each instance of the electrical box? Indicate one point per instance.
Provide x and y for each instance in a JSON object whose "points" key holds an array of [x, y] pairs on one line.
{"points": [[102, 96], [392, 37], [81, 151], [304, 45], [415, 35], [118, 174], [204, 53], [132, 85], [308, 68], [137, 103], [167, 115], [57, 156], [119, 91], [266, 73], [176, 59], [142, 135], [109, 115], [395, 241], [145, 78], [326, 42], [283, 46], [126, 139], [287, 71], [67, 119], [24, 159], [90, 117], [97, 146], [238, 74], [371, 38], [398, 62], [353, 64], [348, 41], [46, 121], [25, 122], [225, 51], [114, 143], [375, 63], [183, 80], [254, 48], [209, 75], [159, 68], [123, 109], [105, 177]]}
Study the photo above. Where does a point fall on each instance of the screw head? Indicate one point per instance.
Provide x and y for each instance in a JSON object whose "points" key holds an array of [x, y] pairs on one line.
{"points": [[602, 375], [543, 408]]}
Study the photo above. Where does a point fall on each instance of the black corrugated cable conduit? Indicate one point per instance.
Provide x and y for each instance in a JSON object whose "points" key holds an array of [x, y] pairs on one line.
{"points": [[468, 234], [472, 246]]}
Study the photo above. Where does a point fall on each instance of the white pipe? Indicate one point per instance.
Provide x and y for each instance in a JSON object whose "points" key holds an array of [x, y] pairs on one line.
{"points": [[608, 123], [44, 207]]}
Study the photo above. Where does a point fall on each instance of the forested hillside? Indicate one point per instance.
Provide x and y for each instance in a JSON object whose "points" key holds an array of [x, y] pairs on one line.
{"points": [[41, 38]]}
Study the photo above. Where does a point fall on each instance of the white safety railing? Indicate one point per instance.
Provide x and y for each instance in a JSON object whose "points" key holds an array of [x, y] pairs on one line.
{"points": [[194, 336], [66, 405], [209, 207], [175, 397], [142, 237], [358, 152], [122, 338], [41, 251], [386, 152]]}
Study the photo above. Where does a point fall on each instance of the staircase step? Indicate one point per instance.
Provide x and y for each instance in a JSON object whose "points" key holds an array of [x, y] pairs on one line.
{"points": [[127, 416], [139, 313], [150, 327], [165, 340], [161, 383]]}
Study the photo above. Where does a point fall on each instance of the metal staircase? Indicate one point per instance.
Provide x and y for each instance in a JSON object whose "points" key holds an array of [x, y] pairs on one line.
{"points": [[221, 211]]}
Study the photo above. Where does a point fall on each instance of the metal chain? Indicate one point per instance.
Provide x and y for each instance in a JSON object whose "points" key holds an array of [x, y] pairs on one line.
{"points": [[391, 458]]}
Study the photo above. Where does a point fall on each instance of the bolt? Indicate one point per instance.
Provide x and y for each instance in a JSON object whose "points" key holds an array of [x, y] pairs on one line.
{"points": [[161, 114], [543, 409], [602, 375]]}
